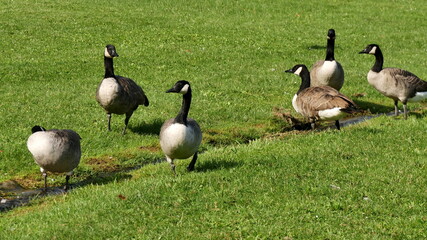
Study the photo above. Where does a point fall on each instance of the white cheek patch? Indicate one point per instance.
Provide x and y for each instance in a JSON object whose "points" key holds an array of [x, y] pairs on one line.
{"points": [[107, 54], [373, 50], [184, 89], [298, 71]]}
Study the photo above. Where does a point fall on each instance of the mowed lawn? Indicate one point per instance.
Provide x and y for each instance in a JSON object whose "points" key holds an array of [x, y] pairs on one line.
{"points": [[252, 180]]}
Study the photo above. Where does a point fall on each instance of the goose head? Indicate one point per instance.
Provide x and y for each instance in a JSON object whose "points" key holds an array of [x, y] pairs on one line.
{"points": [[331, 34], [110, 51], [297, 69], [37, 129], [370, 49], [181, 87]]}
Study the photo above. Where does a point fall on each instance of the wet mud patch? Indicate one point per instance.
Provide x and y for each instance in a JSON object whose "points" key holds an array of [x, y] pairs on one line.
{"points": [[104, 164], [234, 135], [103, 170], [150, 148]]}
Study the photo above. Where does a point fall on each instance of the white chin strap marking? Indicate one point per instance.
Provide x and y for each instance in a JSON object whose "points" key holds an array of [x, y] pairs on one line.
{"points": [[373, 50], [298, 71], [184, 89], [107, 54]]}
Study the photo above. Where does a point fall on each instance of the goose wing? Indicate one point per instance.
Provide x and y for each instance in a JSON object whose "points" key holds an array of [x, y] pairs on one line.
{"points": [[133, 90], [323, 98], [408, 79]]}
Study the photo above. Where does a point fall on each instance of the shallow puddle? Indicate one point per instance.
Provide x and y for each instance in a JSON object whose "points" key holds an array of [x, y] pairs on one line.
{"points": [[361, 119], [14, 195]]}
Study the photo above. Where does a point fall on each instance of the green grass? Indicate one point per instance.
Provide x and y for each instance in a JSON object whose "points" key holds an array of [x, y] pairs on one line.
{"points": [[234, 54], [315, 186]]}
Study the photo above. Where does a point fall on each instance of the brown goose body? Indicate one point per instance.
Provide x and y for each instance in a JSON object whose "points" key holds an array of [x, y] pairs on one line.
{"points": [[117, 94], [323, 103], [319, 103], [328, 72], [395, 83], [55, 150], [120, 95]]}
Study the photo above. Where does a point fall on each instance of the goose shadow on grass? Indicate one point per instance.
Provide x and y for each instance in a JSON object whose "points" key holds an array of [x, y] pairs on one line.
{"points": [[373, 107], [210, 165], [152, 128], [316, 47], [386, 110]]}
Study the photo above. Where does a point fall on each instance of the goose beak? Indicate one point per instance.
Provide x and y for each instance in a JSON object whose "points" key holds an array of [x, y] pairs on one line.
{"points": [[289, 71], [363, 51], [172, 90]]}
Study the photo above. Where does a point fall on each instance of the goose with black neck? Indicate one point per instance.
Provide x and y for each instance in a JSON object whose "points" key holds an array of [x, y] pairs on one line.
{"points": [[180, 137], [321, 103], [117, 94], [394, 83], [328, 72]]}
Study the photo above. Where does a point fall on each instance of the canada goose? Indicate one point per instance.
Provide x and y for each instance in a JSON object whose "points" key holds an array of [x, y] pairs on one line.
{"points": [[319, 103], [395, 83], [117, 94], [328, 72], [180, 137], [55, 151]]}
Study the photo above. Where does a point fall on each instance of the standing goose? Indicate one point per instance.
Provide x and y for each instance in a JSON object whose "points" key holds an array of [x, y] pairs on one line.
{"points": [[117, 94], [395, 83], [319, 103], [180, 137], [328, 72], [55, 151]]}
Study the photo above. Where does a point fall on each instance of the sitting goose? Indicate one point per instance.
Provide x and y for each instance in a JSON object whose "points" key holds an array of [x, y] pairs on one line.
{"points": [[328, 72], [55, 151], [319, 103], [395, 83], [180, 137], [117, 94]]}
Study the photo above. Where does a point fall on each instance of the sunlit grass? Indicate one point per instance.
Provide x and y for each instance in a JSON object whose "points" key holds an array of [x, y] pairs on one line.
{"points": [[365, 182]]}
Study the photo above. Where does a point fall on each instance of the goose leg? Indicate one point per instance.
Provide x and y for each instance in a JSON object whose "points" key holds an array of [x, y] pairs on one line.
{"points": [[67, 179], [396, 110], [45, 181], [337, 124], [405, 110], [192, 163], [67, 186], [109, 120], [313, 125], [172, 164], [128, 115]]}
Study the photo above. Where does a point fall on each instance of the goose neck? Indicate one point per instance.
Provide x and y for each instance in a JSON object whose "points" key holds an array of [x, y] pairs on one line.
{"points": [[109, 69], [379, 60], [185, 108], [330, 47], [305, 80]]}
